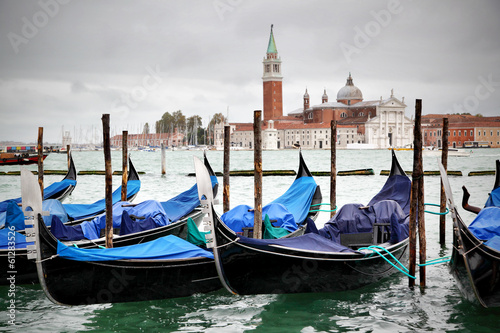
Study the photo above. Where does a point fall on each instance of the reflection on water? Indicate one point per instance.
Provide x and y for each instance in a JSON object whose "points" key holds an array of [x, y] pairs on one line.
{"points": [[389, 306]]}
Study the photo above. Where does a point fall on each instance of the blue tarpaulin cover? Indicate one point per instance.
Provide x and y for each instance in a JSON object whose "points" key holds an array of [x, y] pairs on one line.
{"points": [[164, 248], [13, 216], [351, 220], [130, 226], [80, 211], [7, 236], [149, 211], [288, 210], [391, 205], [311, 241], [184, 203], [149, 208], [65, 233], [494, 198], [53, 188], [486, 226], [397, 188]]}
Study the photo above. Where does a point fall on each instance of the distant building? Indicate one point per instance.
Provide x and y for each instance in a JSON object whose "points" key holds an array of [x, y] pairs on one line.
{"points": [[370, 124], [153, 139], [464, 131]]}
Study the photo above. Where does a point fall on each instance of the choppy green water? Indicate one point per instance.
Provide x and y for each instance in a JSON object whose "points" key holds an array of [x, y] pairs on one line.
{"points": [[389, 306]]}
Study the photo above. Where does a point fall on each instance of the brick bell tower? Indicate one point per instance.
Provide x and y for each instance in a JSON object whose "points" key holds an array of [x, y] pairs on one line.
{"points": [[273, 97]]}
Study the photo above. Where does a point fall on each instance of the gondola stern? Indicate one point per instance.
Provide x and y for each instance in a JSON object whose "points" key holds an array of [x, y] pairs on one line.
{"points": [[205, 195], [396, 168], [132, 172], [303, 169], [36, 230], [71, 174]]}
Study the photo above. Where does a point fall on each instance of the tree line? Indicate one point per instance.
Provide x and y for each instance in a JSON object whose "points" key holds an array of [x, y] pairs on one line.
{"points": [[190, 126]]}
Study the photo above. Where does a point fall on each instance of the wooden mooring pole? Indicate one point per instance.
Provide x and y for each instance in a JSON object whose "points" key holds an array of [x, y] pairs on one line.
{"points": [[225, 181], [333, 170], [417, 202], [422, 245], [124, 165], [109, 180], [444, 161], [257, 162], [40, 159], [163, 166]]}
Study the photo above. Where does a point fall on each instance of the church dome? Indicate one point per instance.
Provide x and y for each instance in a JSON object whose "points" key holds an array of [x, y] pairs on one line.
{"points": [[349, 92]]}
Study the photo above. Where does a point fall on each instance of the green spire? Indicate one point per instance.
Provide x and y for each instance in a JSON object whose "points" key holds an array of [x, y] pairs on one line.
{"points": [[271, 48]]}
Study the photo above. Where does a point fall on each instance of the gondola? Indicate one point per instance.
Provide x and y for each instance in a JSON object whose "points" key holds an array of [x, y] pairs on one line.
{"points": [[175, 212], [83, 211], [287, 212], [335, 258], [60, 190], [56, 191], [164, 268], [475, 257]]}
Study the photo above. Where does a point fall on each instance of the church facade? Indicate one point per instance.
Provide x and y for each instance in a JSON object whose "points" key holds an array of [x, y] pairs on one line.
{"points": [[375, 124]]}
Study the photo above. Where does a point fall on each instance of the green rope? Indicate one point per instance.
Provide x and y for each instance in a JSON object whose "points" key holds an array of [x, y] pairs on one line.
{"points": [[435, 213], [375, 248], [436, 261], [322, 210]]}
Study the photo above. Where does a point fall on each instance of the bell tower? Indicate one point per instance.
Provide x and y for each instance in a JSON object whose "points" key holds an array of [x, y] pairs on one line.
{"points": [[272, 78]]}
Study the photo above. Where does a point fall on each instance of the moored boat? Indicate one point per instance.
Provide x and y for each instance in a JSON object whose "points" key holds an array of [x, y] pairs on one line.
{"points": [[144, 222], [338, 257], [288, 212], [165, 268], [475, 258]]}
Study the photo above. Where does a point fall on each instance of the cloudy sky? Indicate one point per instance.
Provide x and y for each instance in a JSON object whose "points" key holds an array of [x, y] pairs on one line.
{"points": [[65, 63]]}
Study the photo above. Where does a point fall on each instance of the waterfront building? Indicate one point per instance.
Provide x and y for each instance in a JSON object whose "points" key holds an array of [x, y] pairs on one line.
{"points": [[464, 131], [360, 124]]}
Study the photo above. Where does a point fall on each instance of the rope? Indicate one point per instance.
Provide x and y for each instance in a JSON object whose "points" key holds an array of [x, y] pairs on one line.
{"points": [[435, 213], [231, 242], [375, 248], [322, 210], [436, 261], [49, 258]]}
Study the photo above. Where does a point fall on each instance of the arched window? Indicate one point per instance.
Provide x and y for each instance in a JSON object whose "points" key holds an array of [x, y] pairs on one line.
{"points": [[361, 114], [310, 115], [343, 115]]}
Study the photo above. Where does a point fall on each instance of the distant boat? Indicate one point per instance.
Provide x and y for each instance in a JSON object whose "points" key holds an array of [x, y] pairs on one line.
{"points": [[432, 151], [19, 158]]}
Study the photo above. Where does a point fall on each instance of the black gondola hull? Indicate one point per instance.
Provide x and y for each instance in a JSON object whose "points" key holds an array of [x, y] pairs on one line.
{"points": [[251, 270], [26, 269], [72, 282], [475, 267]]}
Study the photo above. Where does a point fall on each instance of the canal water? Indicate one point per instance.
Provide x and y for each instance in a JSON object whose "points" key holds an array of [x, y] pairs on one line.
{"points": [[388, 306]]}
